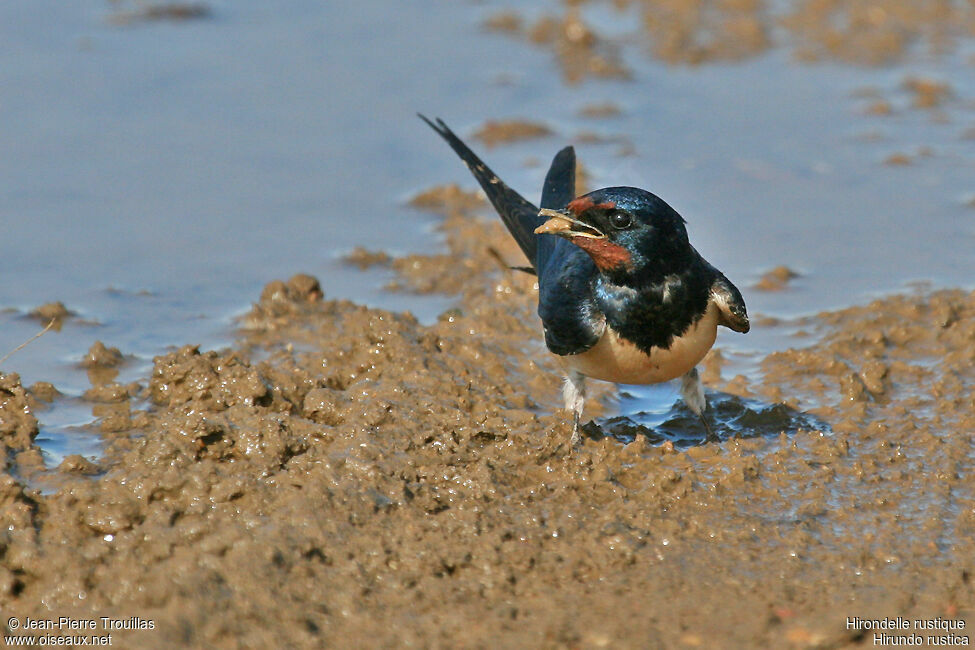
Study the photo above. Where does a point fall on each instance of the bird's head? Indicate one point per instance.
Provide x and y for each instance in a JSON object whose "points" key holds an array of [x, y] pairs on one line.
{"points": [[626, 231]]}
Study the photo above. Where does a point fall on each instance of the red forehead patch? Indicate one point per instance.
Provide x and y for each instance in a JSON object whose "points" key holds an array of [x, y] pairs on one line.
{"points": [[604, 253], [583, 203]]}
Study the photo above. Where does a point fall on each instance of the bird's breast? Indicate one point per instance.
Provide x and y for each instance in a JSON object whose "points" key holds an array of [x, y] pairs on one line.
{"points": [[615, 359]]}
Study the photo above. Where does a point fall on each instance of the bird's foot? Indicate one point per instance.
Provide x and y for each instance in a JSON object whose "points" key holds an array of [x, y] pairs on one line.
{"points": [[692, 391], [574, 393], [710, 436], [576, 439]]}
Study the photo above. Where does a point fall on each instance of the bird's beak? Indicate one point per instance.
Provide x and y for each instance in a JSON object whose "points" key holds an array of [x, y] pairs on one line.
{"points": [[565, 225]]}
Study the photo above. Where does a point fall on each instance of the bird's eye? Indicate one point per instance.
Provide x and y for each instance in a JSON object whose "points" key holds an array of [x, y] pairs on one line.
{"points": [[621, 220]]}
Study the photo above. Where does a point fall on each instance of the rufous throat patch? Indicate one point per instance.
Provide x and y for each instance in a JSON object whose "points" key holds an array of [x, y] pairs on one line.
{"points": [[604, 253]]}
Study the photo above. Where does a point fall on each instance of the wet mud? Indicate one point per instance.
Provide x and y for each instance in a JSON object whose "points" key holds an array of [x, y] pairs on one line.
{"points": [[776, 279], [345, 476], [493, 133], [127, 13], [580, 52], [691, 32]]}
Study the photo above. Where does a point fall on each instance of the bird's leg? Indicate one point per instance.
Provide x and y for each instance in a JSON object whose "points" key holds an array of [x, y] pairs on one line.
{"points": [[692, 392], [574, 394], [710, 436]]}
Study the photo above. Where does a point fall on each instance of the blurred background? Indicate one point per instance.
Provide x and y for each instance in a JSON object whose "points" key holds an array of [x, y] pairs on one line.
{"points": [[162, 161]]}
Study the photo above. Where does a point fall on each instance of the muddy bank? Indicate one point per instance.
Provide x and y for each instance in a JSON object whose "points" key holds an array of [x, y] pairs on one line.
{"points": [[346, 476]]}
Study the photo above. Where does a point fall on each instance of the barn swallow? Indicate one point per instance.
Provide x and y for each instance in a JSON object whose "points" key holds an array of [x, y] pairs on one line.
{"points": [[622, 295]]}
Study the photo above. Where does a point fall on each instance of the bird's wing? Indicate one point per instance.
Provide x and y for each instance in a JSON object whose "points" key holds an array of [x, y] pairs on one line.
{"points": [[560, 181], [559, 189], [730, 304], [518, 214], [572, 321]]}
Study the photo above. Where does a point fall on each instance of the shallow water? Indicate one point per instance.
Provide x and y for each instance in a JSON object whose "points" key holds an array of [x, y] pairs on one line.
{"points": [[652, 413], [158, 174]]}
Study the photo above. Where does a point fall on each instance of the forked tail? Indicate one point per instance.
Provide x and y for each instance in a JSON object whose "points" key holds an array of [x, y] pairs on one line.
{"points": [[519, 215]]}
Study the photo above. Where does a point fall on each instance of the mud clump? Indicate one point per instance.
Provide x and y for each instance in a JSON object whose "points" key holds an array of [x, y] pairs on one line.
{"points": [[102, 356], [504, 21], [44, 391], [161, 11], [493, 132], [18, 426], [579, 50], [282, 300], [52, 314], [898, 160], [880, 107], [363, 258], [601, 110], [928, 93], [776, 279], [77, 464]]}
